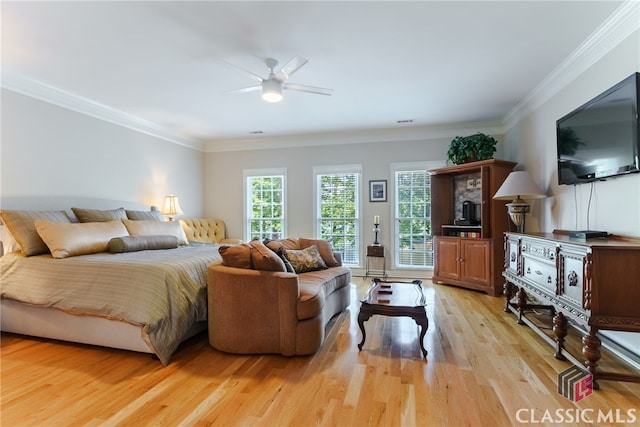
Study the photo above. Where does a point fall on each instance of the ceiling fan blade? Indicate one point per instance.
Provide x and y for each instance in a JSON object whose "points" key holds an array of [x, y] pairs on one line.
{"points": [[309, 89], [245, 89], [249, 74], [290, 67]]}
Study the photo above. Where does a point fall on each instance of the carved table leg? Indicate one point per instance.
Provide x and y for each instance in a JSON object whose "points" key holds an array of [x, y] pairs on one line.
{"points": [[508, 290], [591, 352], [560, 329], [422, 321], [363, 316], [521, 302]]}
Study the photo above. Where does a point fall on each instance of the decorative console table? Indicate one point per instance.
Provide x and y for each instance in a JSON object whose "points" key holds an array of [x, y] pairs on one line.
{"points": [[591, 284]]}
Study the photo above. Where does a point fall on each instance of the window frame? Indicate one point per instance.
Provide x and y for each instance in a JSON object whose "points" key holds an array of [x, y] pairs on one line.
{"points": [[336, 170], [247, 174], [403, 167]]}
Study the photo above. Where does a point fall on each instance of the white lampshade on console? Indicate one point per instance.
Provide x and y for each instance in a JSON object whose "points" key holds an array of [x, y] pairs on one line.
{"points": [[171, 207], [518, 186]]}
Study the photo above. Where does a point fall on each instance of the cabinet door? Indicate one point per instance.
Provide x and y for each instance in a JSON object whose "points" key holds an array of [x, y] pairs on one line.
{"points": [[476, 261], [447, 258]]}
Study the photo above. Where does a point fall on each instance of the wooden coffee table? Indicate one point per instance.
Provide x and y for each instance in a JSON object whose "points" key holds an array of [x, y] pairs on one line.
{"points": [[395, 299]]}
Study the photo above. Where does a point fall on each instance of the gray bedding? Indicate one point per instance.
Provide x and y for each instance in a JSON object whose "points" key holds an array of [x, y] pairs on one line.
{"points": [[163, 291]]}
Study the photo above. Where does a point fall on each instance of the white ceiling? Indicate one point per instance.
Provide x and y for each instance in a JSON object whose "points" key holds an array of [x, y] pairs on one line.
{"points": [[433, 62]]}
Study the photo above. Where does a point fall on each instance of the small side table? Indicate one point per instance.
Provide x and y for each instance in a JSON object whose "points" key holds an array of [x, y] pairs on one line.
{"points": [[376, 252]]}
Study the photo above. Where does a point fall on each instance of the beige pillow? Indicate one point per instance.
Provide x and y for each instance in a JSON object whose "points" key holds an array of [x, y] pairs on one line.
{"points": [[65, 240], [325, 249], [264, 258], [7, 240], [95, 215], [21, 224], [238, 256], [155, 228]]}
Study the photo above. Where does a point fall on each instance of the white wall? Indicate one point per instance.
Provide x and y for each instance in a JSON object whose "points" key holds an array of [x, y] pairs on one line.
{"points": [[52, 151], [615, 206], [223, 179], [531, 141]]}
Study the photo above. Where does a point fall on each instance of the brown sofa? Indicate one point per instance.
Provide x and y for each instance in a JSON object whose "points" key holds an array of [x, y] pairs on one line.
{"points": [[253, 310]]}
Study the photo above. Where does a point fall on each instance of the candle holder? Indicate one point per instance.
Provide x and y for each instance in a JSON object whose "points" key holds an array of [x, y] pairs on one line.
{"points": [[376, 230]]}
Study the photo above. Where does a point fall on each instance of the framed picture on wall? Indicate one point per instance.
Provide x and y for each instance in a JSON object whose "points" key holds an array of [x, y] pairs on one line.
{"points": [[378, 190]]}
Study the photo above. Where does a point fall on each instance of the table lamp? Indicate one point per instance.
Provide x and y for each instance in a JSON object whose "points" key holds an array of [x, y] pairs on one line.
{"points": [[171, 207], [518, 186]]}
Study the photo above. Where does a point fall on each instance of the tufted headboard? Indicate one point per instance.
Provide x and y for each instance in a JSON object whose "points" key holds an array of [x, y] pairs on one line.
{"points": [[205, 230]]}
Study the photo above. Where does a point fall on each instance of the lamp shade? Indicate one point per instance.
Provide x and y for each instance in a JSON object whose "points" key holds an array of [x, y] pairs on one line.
{"points": [[171, 207], [519, 185]]}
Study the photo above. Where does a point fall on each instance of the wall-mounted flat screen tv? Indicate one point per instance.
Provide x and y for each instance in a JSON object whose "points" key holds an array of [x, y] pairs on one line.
{"points": [[600, 139]]}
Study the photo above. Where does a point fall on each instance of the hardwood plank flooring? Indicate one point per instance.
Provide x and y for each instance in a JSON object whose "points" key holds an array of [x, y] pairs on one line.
{"points": [[482, 370]]}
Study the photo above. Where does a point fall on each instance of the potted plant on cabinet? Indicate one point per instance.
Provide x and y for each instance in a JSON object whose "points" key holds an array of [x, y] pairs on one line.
{"points": [[465, 149]]}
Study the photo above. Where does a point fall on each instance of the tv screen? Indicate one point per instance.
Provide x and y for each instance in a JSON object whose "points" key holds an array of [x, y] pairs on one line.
{"points": [[600, 139]]}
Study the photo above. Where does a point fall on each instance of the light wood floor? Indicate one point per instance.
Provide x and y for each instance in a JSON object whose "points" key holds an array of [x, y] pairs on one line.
{"points": [[482, 370]]}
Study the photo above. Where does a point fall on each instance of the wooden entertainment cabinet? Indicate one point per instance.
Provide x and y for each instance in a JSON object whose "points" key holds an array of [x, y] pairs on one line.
{"points": [[470, 255], [587, 284]]}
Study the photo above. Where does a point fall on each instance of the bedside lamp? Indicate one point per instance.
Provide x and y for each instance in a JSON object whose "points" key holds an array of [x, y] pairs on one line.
{"points": [[171, 207], [518, 186]]}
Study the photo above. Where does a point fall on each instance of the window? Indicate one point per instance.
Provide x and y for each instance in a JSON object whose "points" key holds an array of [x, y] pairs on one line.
{"points": [[338, 210], [413, 239], [264, 204]]}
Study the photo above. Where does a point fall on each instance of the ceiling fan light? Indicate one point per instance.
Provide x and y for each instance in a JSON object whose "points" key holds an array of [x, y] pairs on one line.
{"points": [[272, 90]]}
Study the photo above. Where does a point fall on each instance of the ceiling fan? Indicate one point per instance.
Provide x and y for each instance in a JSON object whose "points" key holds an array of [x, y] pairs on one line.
{"points": [[273, 85]]}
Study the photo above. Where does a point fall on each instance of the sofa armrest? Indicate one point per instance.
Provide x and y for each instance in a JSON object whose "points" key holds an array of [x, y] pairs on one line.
{"points": [[338, 257], [252, 311]]}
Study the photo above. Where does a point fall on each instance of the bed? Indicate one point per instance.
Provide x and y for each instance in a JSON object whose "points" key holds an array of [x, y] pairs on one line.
{"points": [[145, 300]]}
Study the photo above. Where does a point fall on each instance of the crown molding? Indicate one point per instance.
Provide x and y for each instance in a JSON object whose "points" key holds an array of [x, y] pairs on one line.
{"points": [[33, 88], [617, 28], [363, 136]]}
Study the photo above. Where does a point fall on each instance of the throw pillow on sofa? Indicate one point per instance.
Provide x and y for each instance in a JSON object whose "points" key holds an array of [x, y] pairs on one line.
{"points": [[287, 264], [264, 258], [325, 249], [283, 244], [238, 256], [307, 259]]}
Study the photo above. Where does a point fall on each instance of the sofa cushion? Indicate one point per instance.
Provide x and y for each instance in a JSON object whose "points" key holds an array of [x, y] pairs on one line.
{"points": [[325, 249], [316, 286], [283, 244], [238, 256], [307, 259], [264, 258]]}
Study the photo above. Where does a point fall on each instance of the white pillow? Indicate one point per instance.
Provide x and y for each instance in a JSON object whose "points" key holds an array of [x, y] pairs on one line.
{"points": [[65, 240], [156, 228], [9, 243]]}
